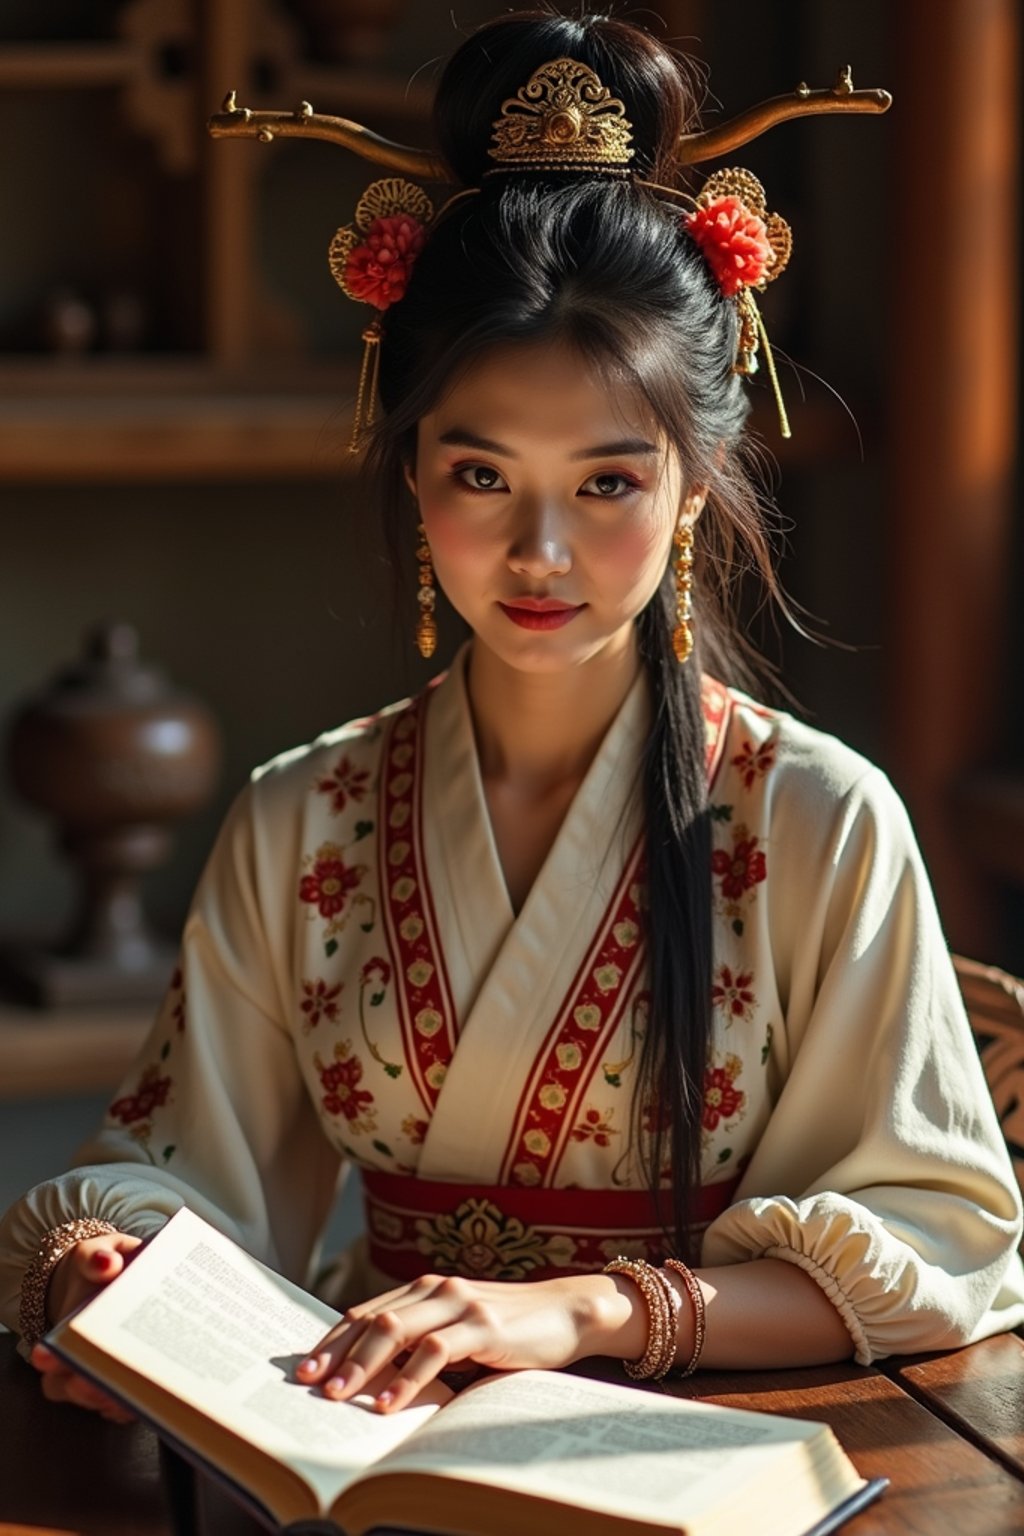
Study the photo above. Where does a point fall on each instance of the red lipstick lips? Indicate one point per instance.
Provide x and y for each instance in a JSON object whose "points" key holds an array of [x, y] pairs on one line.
{"points": [[540, 612]]}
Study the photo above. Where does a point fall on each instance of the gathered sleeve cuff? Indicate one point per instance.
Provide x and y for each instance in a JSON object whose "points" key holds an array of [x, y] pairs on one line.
{"points": [[894, 1290], [882, 1171]]}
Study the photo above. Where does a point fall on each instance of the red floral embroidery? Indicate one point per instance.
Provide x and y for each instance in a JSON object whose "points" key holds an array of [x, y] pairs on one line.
{"points": [[753, 763], [741, 869], [583, 1029], [344, 783], [377, 968], [595, 1128], [343, 1096], [722, 1099], [151, 1092], [319, 1001], [414, 1129], [328, 886], [732, 992], [378, 271]]}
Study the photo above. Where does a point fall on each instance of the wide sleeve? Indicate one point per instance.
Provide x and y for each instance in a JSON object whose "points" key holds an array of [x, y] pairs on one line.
{"points": [[214, 1114], [882, 1170]]}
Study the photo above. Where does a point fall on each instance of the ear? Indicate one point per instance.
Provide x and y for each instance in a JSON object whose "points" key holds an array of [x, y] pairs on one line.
{"points": [[410, 478], [693, 505]]}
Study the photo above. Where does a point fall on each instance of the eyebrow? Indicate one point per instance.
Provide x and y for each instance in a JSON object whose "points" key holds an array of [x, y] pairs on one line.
{"points": [[461, 437]]}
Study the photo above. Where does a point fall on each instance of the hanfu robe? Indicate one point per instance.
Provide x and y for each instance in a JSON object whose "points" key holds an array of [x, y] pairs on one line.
{"points": [[355, 989]]}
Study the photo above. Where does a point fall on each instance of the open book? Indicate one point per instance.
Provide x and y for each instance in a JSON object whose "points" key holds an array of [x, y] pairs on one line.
{"points": [[202, 1340]]}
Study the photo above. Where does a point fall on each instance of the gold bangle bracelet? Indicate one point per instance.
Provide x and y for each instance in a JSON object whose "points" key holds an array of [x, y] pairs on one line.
{"points": [[58, 1241], [696, 1296], [659, 1355]]}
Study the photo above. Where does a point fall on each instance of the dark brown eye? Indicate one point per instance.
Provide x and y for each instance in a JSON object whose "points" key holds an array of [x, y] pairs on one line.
{"points": [[608, 486], [480, 477]]}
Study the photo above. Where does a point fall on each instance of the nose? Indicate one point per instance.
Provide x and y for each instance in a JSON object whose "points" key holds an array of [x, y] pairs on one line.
{"points": [[539, 545]]}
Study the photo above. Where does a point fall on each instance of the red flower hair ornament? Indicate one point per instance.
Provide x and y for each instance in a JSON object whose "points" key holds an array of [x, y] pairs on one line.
{"points": [[746, 248], [734, 243], [371, 260]]}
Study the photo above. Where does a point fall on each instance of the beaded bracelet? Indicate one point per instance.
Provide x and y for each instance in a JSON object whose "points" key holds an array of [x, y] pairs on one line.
{"points": [[660, 1353], [58, 1241], [696, 1295]]}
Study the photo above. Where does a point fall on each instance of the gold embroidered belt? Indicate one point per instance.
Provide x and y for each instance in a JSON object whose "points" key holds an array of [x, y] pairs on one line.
{"points": [[507, 1232]]}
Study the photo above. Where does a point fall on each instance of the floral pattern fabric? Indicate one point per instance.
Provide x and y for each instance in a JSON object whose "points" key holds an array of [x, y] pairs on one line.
{"points": [[374, 1023]]}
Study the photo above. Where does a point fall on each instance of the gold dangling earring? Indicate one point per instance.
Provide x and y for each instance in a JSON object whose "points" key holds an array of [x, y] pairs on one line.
{"points": [[682, 635], [426, 629]]}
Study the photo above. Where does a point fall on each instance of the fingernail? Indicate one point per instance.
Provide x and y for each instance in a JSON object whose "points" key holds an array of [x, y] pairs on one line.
{"points": [[335, 1386], [385, 1397], [314, 1363], [102, 1260]]}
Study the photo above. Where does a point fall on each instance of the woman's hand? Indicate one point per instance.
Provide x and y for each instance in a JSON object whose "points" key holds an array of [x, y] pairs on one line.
{"points": [[83, 1271], [408, 1336]]}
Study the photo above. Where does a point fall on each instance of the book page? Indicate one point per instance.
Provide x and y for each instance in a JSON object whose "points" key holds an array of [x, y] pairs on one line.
{"points": [[200, 1317], [596, 1445]]}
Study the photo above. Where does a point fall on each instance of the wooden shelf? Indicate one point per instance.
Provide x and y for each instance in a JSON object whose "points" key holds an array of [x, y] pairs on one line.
{"points": [[75, 423], [70, 1051], [66, 66]]}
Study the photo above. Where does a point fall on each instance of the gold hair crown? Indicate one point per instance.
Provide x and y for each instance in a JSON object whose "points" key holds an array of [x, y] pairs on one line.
{"points": [[562, 118]]}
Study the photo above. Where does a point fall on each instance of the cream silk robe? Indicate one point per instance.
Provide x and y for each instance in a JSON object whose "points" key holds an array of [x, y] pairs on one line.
{"points": [[355, 987]]}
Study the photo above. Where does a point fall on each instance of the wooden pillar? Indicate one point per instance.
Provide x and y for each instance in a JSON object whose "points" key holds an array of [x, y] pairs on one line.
{"points": [[229, 187], [950, 234]]}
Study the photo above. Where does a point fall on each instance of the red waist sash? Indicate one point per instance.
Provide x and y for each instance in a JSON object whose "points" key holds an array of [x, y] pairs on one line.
{"points": [[508, 1232]]}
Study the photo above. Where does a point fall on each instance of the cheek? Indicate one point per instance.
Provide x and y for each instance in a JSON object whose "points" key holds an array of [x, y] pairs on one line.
{"points": [[458, 543], [633, 558]]}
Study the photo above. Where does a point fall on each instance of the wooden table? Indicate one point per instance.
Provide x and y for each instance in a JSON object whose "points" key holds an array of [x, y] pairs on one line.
{"points": [[947, 1430]]}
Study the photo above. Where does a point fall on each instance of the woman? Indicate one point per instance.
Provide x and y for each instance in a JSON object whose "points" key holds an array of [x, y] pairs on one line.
{"points": [[582, 952]]}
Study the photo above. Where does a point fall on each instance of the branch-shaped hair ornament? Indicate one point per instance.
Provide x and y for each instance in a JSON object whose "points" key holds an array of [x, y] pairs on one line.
{"points": [[562, 120], [235, 122]]}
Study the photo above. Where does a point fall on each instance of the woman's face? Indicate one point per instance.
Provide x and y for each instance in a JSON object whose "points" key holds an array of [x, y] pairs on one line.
{"points": [[549, 504]]}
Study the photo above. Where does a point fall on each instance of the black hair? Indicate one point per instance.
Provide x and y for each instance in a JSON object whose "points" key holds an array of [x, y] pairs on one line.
{"points": [[605, 266]]}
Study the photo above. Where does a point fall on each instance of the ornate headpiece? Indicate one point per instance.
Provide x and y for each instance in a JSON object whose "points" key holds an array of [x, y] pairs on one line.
{"points": [[563, 118], [392, 218], [746, 248]]}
